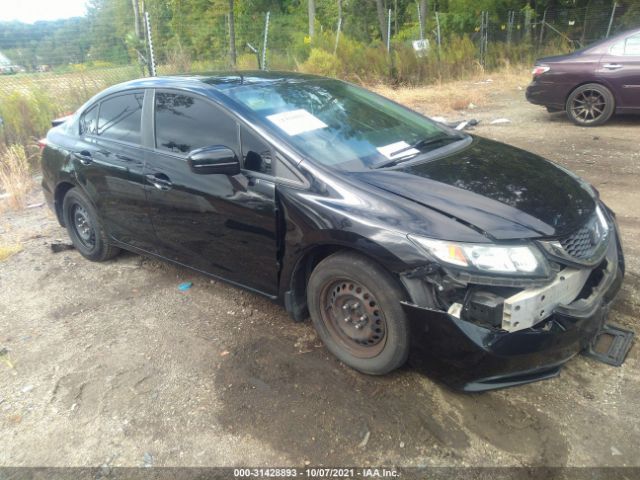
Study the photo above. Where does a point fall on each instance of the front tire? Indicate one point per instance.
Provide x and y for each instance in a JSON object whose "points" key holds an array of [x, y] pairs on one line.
{"points": [[355, 308], [590, 105], [85, 229]]}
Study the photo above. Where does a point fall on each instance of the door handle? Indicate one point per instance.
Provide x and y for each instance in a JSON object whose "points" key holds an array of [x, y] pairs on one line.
{"points": [[159, 180], [612, 66], [84, 157]]}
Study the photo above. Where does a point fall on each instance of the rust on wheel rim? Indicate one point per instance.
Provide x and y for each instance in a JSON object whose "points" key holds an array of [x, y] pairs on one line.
{"points": [[353, 318]]}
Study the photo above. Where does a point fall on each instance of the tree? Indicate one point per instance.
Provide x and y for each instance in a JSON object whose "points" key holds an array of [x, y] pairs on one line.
{"points": [[380, 7], [136, 18], [424, 11], [312, 17]]}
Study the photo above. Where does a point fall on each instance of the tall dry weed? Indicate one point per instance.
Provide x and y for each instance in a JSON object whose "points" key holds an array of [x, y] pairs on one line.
{"points": [[15, 176]]}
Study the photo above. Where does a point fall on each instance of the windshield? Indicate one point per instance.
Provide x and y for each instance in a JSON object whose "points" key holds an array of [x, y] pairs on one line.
{"points": [[341, 125]]}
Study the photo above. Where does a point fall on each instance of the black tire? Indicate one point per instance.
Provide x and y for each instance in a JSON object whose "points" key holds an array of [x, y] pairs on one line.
{"points": [[348, 282], [85, 229], [590, 105]]}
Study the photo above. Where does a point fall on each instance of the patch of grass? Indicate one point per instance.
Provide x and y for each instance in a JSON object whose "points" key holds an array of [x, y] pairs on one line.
{"points": [[443, 98], [8, 250], [15, 176], [435, 99], [26, 115]]}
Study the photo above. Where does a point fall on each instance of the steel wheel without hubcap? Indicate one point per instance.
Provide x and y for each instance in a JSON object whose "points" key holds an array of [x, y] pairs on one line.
{"points": [[588, 105], [353, 318], [82, 226]]}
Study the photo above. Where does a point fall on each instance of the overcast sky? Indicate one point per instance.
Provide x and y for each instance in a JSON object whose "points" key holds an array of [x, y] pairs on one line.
{"points": [[33, 10]]}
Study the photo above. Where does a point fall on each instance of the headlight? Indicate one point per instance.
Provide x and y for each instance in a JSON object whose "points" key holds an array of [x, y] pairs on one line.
{"points": [[504, 259]]}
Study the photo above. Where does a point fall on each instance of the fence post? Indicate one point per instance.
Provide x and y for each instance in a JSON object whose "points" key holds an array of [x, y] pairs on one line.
{"points": [[438, 38], [484, 36], [511, 20], [152, 57], [544, 21], [266, 38], [335, 47], [613, 13], [389, 32], [420, 21]]}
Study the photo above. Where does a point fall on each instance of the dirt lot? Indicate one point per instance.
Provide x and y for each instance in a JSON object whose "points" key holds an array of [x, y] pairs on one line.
{"points": [[112, 364]]}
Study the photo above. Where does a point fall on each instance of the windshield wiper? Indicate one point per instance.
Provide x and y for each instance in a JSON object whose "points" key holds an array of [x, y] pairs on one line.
{"points": [[417, 146]]}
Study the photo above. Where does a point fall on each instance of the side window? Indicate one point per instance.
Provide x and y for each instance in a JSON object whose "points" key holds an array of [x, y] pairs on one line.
{"points": [[185, 123], [120, 117], [256, 154], [629, 46], [632, 46], [89, 121]]}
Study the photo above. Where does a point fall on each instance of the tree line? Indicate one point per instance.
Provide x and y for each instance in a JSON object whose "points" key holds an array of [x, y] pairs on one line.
{"points": [[113, 31]]}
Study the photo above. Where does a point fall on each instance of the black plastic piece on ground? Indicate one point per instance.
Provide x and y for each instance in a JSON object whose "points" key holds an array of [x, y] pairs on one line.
{"points": [[61, 247], [619, 345]]}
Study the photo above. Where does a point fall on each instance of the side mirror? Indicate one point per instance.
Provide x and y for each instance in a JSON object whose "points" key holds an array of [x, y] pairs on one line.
{"points": [[217, 159]]}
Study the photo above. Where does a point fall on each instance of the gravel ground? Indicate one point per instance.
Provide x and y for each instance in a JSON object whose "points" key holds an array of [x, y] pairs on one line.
{"points": [[111, 364]]}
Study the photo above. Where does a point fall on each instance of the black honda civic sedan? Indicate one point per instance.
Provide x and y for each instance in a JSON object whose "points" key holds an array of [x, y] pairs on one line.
{"points": [[483, 264]]}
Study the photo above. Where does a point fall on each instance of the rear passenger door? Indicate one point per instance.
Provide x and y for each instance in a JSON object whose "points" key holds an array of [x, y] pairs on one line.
{"points": [[621, 67], [221, 224], [110, 167]]}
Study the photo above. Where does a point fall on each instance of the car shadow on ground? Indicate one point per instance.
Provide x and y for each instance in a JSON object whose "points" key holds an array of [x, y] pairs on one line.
{"points": [[302, 401], [622, 120]]}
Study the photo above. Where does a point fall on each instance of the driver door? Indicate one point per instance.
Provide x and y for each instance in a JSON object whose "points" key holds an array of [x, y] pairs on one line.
{"points": [[221, 224]]}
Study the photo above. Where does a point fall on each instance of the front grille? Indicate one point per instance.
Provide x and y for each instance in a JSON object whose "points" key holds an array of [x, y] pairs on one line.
{"points": [[583, 243]]}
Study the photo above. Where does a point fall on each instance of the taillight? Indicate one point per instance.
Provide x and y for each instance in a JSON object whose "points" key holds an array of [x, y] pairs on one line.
{"points": [[539, 70], [42, 143]]}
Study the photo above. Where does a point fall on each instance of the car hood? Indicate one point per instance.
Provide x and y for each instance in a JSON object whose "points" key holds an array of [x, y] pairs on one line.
{"points": [[504, 192]]}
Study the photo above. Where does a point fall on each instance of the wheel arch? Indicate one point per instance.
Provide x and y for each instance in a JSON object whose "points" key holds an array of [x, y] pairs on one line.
{"points": [[295, 296], [62, 188]]}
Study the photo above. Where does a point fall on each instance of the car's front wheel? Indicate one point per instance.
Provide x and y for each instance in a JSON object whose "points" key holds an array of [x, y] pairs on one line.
{"points": [[590, 105], [85, 228], [355, 308]]}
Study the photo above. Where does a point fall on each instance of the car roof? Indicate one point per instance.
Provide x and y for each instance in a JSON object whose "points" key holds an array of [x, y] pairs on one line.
{"points": [[219, 81]]}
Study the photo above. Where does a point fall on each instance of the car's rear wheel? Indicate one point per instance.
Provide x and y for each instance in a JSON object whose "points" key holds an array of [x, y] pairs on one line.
{"points": [[590, 105], [85, 229], [355, 308]]}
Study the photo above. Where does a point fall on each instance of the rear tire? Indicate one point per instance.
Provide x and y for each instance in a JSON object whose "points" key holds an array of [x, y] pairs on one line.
{"points": [[590, 105], [85, 229], [355, 308]]}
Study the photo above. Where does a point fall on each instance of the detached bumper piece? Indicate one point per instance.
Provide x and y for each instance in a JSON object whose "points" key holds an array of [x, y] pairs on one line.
{"points": [[610, 345]]}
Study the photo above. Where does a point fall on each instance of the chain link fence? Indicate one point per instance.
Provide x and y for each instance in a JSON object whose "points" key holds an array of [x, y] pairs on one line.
{"points": [[51, 69]]}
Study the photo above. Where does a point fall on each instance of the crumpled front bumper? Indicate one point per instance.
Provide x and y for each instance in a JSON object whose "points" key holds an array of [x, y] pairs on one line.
{"points": [[473, 357]]}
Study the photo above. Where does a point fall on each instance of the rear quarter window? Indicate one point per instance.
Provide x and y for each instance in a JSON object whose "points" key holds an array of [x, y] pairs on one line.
{"points": [[89, 121], [120, 118], [629, 46]]}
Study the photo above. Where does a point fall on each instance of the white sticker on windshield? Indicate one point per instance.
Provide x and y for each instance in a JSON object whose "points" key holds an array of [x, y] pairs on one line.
{"points": [[296, 122], [395, 148]]}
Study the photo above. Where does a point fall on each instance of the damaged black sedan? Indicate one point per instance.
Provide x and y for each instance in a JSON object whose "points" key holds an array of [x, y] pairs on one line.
{"points": [[483, 264]]}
